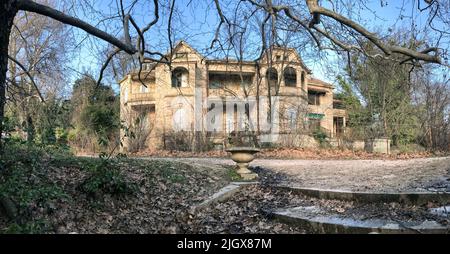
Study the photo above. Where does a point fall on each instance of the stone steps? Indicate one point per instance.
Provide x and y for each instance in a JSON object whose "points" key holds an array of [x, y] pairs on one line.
{"points": [[415, 198], [320, 221]]}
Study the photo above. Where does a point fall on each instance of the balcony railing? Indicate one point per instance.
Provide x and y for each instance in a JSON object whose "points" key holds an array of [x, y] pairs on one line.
{"points": [[140, 97]]}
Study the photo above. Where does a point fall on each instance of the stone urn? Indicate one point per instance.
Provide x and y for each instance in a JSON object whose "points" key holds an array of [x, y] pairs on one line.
{"points": [[243, 156]]}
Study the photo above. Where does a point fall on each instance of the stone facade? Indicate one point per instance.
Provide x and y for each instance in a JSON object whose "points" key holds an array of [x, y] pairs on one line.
{"points": [[174, 98]]}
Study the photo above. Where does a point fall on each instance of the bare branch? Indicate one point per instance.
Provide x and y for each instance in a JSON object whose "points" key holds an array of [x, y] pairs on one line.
{"points": [[110, 57], [314, 8], [169, 30], [29, 76], [223, 19], [155, 20], [27, 5]]}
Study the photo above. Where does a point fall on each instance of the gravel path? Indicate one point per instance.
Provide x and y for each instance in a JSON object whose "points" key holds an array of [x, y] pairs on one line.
{"points": [[419, 175]]}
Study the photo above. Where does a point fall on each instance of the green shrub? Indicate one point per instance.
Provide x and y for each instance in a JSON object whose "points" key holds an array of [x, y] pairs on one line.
{"points": [[233, 175], [106, 178], [408, 148], [25, 184], [25, 190], [72, 135], [31, 227], [61, 135], [101, 120], [320, 136]]}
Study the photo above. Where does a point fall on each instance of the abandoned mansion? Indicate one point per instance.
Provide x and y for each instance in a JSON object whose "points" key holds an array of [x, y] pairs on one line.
{"points": [[195, 98]]}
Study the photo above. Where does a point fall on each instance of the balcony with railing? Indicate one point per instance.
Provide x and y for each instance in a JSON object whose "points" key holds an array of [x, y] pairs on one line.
{"points": [[140, 98], [339, 112], [339, 108]]}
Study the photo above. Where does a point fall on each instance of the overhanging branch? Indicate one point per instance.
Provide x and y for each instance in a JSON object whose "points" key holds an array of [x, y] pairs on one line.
{"points": [[315, 9], [27, 5]]}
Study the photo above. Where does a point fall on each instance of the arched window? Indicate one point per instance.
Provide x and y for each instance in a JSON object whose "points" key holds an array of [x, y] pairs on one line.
{"points": [[290, 77], [272, 77], [180, 77]]}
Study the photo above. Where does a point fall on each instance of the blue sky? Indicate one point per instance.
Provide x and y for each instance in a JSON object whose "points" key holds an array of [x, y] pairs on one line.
{"points": [[196, 24]]}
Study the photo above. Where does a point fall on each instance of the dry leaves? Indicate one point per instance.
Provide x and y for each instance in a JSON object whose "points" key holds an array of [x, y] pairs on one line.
{"points": [[294, 153]]}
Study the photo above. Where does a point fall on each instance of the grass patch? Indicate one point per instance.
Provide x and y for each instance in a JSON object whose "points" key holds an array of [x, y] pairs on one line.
{"points": [[173, 172], [233, 175]]}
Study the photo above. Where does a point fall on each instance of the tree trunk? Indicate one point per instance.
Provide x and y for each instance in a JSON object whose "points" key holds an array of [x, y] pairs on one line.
{"points": [[8, 10]]}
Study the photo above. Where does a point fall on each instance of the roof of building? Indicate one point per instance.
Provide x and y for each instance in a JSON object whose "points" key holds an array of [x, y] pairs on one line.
{"points": [[232, 61], [150, 64], [318, 82]]}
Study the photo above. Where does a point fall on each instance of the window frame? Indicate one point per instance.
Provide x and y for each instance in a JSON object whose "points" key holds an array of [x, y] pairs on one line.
{"points": [[316, 98], [291, 77], [177, 77]]}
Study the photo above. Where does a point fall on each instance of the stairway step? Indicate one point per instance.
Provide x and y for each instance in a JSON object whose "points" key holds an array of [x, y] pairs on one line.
{"points": [[320, 221], [416, 198]]}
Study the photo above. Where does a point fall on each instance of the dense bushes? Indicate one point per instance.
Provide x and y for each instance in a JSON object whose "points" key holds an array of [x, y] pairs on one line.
{"points": [[94, 116], [88, 121], [24, 186], [30, 188]]}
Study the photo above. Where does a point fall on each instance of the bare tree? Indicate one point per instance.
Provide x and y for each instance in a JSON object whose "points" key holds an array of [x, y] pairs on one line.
{"points": [[326, 26], [329, 28], [38, 52], [433, 94], [10, 9]]}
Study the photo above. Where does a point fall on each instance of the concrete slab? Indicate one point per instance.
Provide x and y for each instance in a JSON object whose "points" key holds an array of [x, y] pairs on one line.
{"points": [[319, 221]]}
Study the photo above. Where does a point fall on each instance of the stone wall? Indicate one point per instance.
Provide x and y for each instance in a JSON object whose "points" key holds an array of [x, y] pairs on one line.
{"points": [[378, 145]]}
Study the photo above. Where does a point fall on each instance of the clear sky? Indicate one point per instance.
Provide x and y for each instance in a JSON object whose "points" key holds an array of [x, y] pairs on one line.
{"points": [[196, 21]]}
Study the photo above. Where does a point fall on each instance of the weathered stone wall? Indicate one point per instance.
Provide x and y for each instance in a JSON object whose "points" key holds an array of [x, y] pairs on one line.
{"points": [[378, 145]]}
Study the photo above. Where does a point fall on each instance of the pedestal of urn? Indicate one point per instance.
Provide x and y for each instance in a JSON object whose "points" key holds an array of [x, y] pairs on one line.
{"points": [[243, 156]]}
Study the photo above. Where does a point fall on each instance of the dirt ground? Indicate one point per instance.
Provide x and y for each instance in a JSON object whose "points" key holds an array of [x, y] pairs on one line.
{"points": [[414, 175]]}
